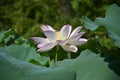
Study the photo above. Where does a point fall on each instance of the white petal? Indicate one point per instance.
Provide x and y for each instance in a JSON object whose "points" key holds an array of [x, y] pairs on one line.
{"points": [[70, 48], [46, 47], [76, 31], [65, 31], [39, 40], [46, 27], [50, 28], [82, 41], [62, 42], [79, 42], [41, 45], [51, 35], [75, 37]]}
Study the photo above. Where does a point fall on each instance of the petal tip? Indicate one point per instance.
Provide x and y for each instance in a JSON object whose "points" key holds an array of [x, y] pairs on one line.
{"points": [[83, 40], [80, 27], [74, 49]]}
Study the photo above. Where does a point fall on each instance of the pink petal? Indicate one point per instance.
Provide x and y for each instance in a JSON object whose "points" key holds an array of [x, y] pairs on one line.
{"points": [[39, 40], [46, 27], [70, 48], [82, 41], [76, 31], [50, 28], [51, 35], [62, 42], [46, 47], [79, 42], [41, 45], [75, 37], [65, 31]]}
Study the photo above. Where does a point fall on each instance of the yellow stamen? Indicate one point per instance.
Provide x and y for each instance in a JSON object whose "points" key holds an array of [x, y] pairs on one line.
{"points": [[58, 35]]}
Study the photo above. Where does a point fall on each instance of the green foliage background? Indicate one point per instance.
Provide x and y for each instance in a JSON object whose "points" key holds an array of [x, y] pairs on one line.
{"points": [[25, 16]]}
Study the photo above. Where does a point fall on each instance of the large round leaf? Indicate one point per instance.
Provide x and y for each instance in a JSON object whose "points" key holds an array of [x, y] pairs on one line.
{"points": [[88, 66], [13, 69], [25, 53]]}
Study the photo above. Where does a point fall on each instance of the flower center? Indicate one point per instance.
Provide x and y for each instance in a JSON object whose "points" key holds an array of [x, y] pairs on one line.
{"points": [[58, 35]]}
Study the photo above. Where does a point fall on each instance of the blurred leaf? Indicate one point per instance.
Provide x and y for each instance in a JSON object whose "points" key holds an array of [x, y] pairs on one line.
{"points": [[1, 35], [89, 24], [14, 69], [82, 68], [112, 23], [86, 65], [25, 53], [21, 40], [7, 36]]}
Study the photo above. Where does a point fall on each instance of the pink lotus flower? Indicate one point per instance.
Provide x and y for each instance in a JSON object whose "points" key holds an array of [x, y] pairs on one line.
{"points": [[67, 40]]}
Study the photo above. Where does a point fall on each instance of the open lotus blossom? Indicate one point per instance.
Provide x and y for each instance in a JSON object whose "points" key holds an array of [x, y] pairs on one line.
{"points": [[65, 38]]}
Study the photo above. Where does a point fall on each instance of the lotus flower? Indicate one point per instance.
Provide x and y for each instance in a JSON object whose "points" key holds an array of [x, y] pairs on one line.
{"points": [[65, 38]]}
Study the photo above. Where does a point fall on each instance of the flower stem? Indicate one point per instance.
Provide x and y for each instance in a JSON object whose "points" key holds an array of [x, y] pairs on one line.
{"points": [[69, 55], [56, 55]]}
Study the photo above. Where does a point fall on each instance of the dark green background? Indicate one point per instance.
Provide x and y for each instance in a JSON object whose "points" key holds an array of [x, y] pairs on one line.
{"points": [[25, 16]]}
